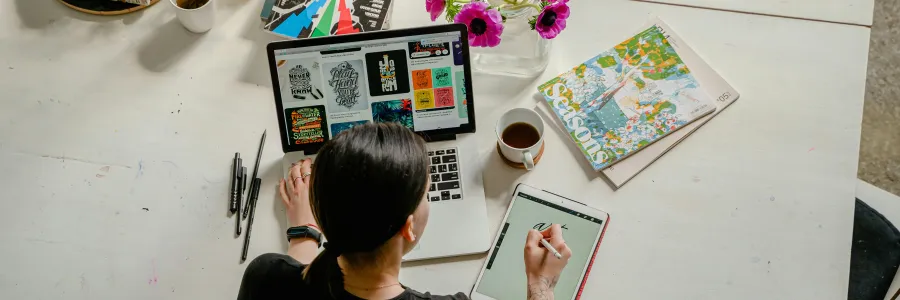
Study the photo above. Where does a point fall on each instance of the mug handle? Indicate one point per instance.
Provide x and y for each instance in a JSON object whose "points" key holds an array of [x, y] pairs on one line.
{"points": [[528, 160]]}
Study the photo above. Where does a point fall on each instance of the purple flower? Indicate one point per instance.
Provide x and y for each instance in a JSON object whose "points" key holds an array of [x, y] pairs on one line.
{"points": [[552, 19], [485, 26], [436, 8]]}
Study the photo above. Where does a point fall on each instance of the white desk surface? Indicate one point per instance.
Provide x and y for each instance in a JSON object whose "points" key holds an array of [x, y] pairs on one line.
{"points": [[103, 117], [858, 12]]}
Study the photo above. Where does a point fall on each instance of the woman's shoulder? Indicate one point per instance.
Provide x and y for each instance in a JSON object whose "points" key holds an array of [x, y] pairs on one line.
{"points": [[272, 275]]}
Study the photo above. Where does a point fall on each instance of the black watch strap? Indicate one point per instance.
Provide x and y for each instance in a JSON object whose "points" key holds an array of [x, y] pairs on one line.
{"points": [[304, 232]]}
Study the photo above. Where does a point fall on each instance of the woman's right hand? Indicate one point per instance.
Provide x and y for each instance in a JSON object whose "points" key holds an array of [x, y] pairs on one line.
{"points": [[542, 268], [295, 194]]}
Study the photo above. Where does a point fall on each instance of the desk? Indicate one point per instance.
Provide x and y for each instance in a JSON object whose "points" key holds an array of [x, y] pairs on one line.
{"points": [[855, 12], [116, 136]]}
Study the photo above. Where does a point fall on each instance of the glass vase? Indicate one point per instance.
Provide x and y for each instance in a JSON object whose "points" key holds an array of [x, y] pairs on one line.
{"points": [[521, 53]]}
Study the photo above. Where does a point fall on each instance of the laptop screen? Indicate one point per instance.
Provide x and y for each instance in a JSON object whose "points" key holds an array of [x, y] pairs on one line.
{"points": [[417, 80]]}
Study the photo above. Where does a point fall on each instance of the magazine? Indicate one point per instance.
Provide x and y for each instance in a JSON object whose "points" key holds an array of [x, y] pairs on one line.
{"points": [[711, 82], [626, 98], [314, 18]]}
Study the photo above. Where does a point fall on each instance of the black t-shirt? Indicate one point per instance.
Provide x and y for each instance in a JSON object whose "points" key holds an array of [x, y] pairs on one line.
{"points": [[278, 276]]}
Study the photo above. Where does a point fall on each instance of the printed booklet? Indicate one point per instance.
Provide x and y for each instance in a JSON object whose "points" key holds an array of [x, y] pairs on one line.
{"points": [[627, 98]]}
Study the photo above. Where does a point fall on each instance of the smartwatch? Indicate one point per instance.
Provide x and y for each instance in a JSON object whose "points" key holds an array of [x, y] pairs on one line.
{"points": [[304, 232]]}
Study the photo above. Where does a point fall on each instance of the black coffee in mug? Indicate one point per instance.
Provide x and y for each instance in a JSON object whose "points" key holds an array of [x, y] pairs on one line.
{"points": [[520, 135]]}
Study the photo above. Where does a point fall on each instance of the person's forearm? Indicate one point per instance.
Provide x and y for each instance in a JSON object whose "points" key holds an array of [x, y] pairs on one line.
{"points": [[304, 250], [541, 288]]}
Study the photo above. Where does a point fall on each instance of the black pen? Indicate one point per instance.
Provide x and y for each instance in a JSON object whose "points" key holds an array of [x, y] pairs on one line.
{"points": [[242, 185], [235, 182], [254, 189], [254, 193]]}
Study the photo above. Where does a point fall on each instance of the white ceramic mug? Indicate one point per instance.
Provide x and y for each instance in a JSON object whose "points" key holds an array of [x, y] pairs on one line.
{"points": [[197, 20], [524, 155]]}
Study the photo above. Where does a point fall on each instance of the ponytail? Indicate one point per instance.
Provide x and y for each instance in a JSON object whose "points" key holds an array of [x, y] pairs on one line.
{"points": [[324, 274], [388, 166]]}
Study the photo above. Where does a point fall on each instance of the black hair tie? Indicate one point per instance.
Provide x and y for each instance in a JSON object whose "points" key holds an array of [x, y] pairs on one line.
{"points": [[331, 248]]}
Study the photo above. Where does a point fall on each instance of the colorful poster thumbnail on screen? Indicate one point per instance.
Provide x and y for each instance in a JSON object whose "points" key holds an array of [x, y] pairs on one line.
{"points": [[399, 111], [337, 128], [306, 125]]}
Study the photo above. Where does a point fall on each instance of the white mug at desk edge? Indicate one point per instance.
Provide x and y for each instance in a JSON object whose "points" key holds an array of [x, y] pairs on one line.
{"points": [[197, 20]]}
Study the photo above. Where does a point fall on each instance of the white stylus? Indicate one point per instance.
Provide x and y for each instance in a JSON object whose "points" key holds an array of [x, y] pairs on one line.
{"points": [[547, 245]]}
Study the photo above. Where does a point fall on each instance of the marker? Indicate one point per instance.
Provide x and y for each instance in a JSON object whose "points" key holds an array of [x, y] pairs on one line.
{"points": [[235, 183], [242, 185], [553, 250]]}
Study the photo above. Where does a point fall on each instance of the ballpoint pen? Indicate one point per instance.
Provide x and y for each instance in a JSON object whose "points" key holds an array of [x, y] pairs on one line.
{"points": [[253, 190]]}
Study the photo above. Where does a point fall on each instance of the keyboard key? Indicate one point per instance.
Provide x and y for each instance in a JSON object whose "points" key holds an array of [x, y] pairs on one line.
{"points": [[435, 177], [433, 169], [445, 195], [430, 153], [439, 152], [442, 168], [448, 185], [435, 160], [435, 198], [433, 188], [456, 196], [453, 168], [449, 158], [450, 176], [451, 151]]}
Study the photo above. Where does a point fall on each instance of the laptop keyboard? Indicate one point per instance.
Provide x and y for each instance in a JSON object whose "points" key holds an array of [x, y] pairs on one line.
{"points": [[445, 181]]}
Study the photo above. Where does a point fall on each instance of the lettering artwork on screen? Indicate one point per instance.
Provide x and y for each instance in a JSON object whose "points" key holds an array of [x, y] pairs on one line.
{"points": [[306, 125], [345, 93], [419, 49], [345, 81], [302, 83], [388, 73], [544, 226]]}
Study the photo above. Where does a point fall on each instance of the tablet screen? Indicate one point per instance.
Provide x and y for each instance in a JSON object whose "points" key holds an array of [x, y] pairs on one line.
{"points": [[504, 274]]}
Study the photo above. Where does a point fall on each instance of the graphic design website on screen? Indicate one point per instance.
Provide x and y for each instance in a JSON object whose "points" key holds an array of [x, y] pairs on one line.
{"points": [[417, 81]]}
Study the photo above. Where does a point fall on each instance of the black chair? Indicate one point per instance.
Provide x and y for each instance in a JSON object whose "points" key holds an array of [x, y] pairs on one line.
{"points": [[875, 255]]}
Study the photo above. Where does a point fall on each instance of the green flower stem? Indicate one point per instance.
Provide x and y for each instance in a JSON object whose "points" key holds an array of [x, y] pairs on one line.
{"points": [[518, 4]]}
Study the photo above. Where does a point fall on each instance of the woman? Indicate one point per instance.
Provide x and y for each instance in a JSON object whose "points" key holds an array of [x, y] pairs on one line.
{"points": [[367, 193]]}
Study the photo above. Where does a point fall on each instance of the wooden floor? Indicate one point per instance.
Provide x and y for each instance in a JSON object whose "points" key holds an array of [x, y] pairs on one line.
{"points": [[879, 157]]}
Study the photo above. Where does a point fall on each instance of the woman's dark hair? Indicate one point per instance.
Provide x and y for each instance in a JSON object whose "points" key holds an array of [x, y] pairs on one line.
{"points": [[364, 185]]}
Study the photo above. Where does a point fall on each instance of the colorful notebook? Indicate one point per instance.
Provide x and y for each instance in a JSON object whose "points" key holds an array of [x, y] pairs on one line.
{"points": [[626, 98], [710, 81], [314, 18]]}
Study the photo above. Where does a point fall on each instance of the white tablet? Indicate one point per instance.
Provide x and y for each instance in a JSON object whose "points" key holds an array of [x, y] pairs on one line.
{"points": [[503, 274]]}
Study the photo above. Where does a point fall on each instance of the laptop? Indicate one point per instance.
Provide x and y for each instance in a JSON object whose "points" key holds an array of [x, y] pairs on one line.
{"points": [[418, 77]]}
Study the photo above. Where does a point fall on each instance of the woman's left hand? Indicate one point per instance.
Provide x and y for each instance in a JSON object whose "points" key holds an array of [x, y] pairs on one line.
{"points": [[295, 194]]}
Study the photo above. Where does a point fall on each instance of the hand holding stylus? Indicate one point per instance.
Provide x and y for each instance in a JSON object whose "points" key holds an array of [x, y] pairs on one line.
{"points": [[542, 266]]}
